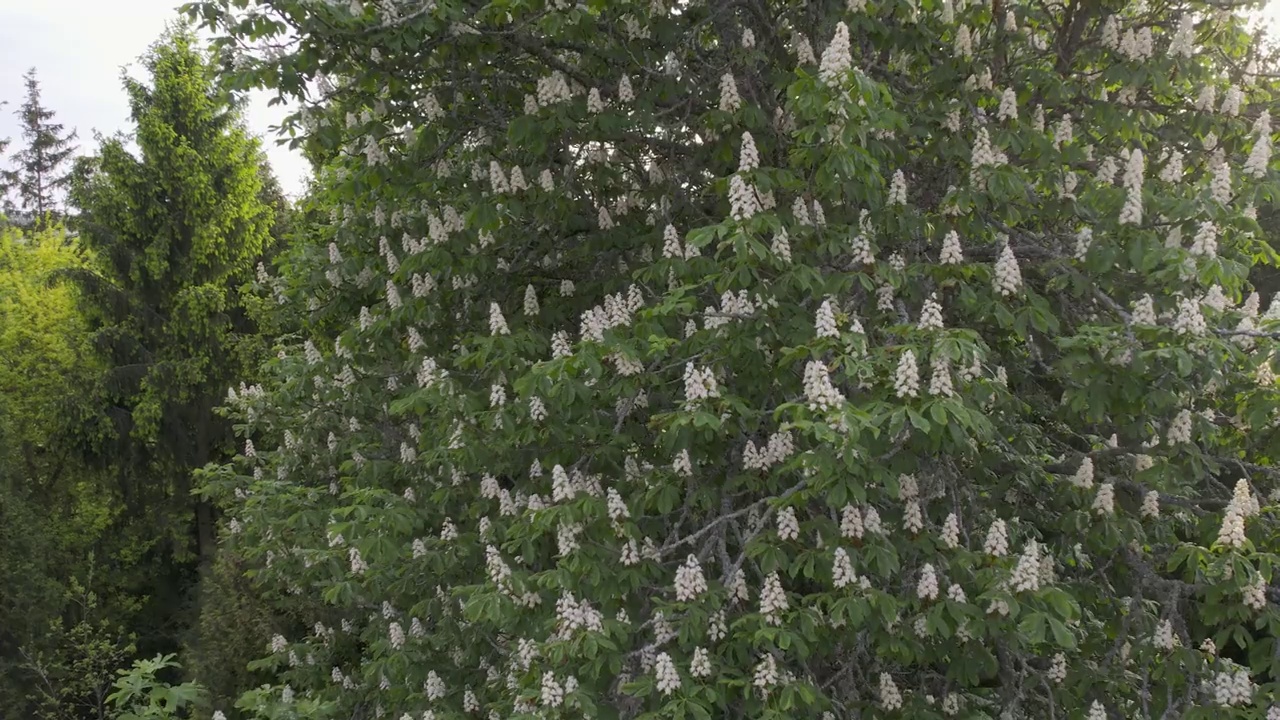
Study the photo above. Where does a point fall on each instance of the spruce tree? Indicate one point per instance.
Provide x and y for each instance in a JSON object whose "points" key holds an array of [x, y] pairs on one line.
{"points": [[179, 227], [43, 162]]}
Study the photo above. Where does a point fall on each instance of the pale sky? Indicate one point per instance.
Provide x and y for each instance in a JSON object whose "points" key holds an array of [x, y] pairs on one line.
{"points": [[78, 48]]}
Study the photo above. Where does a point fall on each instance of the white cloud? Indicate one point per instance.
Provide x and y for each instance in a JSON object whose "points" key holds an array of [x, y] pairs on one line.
{"points": [[78, 48]]}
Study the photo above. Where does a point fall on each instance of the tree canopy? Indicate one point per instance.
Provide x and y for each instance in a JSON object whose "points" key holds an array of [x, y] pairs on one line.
{"points": [[768, 359]]}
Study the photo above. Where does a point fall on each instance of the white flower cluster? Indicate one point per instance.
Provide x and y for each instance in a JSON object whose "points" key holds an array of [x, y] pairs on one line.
{"points": [[700, 665], [788, 525], [906, 379], [499, 571], [1255, 593], [951, 251], [667, 676], [927, 587], [434, 685], [1058, 668], [1096, 711], [1220, 183], [552, 692], [683, 464], [851, 525], [1243, 504], [1183, 38], [1260, 156], [749, 157], [984, 154], [842, 574], [1150, 504], [861, 250], [781, 245], [1233, 689], [567, 538], [1084, 238], [884, 298], [1104, 503], [837, 59], [572, 615], [1026, 574], [1008, 105], [1137, 45], [964, 42], [553, 89], [871, 521], [537, 409], [997, 542], [358, 565], [940, 378], [890, 697], [913, 517], [1144, 311], [898, 189], [1215, 298], [1008, 276], [931, 314], [1189, 320], [497, 323], [780, 447], [1164, 639], [773, 599], [595, 103], [1206, 240], [1232, 101], [672, 248], [951, 531], [730, 101], [1131, 212], [766, 674], [743, 203], [699, 384], [1180, 428], [803, 50], [818, 390], [825, 321]]}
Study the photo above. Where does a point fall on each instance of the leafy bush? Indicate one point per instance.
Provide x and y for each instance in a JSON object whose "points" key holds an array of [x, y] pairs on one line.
{"points": [[141, 695]]}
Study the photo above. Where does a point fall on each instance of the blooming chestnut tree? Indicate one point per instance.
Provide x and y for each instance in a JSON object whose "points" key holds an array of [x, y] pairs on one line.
{"points": [[769, 359]]}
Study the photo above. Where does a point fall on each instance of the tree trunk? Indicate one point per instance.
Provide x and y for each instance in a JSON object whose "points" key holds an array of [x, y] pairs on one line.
{"points": [[206, 537]]}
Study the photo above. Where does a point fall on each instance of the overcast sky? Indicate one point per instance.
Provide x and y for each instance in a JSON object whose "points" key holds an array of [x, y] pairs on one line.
{"points": [[78, 48]]}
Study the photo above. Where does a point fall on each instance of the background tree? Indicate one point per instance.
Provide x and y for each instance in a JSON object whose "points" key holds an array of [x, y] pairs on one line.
{"points": [[43, 164], [177, 229], [768, 359], [5, 202], [69, 559]]}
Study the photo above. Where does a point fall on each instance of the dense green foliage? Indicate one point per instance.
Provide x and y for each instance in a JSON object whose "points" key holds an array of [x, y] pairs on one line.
{"points": [[51, 512], [179, 227], [118, 338], [658, 359], [768, 359]]}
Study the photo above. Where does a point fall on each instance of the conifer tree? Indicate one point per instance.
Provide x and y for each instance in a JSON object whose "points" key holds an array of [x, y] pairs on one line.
{"points": [[179, 228], [43, 163]]}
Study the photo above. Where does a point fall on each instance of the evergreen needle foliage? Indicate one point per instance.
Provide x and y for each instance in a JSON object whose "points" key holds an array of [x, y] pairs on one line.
{"points": [[43, 164]]}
